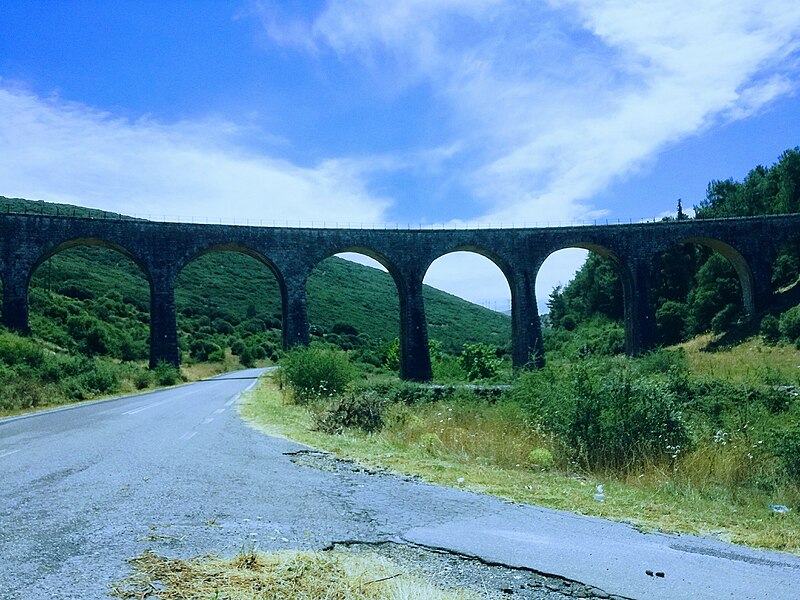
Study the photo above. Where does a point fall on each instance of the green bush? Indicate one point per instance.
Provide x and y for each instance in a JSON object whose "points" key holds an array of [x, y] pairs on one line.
{"points": [[392, 352], [316, 372], [725, 318], [166, 374], [606, 414], [18, 393], [201, 349], [786, 446], [671, 322], [16, 350], [448, 369], [217, 355], [479, 361], [770, 329], [789, 324], [101, 378], [142, 379], [541, 458], [91, 336]]}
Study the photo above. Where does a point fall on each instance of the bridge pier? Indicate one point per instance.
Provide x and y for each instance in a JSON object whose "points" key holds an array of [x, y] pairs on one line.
{"points": [[415, 358], [15, 301], [295, 313], [526, 327], [640, 320], [163, 318], [757, 291]]}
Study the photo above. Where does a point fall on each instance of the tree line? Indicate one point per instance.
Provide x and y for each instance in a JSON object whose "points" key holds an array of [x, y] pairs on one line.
{"points": [[694, 289]]}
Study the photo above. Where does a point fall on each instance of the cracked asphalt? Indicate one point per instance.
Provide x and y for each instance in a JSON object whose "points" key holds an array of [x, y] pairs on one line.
{"points": [[179, 473]]}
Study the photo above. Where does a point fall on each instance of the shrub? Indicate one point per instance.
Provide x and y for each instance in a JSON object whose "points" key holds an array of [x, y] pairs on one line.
{"points": [[607, 415], [671, 319], [142, 379], [392, 360], [725, 318], [316, 371], [20, 393], [344, 329], [91, 335], [362, 410], [102, 378], [201, 349], [16, 350], [789, 324], [217, 355], [770, 329], [448, 369], [222, 326], [479, 361], [166, 374], [786, 446]]}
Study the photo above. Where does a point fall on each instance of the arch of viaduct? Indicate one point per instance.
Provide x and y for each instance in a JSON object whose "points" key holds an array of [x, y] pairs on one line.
{"points": [[161, 250]]}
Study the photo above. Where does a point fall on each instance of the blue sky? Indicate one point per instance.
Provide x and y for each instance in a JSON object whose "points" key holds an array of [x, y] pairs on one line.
{"points": [[417, 112]]}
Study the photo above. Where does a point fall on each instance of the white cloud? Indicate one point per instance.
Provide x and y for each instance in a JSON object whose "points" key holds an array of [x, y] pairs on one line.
{"points": [[560, 101], [557, 103], [66, 152]]}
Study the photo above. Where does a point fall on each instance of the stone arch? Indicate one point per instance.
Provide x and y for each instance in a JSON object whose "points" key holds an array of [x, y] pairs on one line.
{"points": [[737, 261], [379, 257], [90, 241], [507, 275], [499, 261], [352, 329], [130, 338], [264, 324], [625, 272]]}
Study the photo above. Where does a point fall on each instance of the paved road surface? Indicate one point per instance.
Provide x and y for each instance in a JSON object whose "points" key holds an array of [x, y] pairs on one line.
{"points": [[178, 472]]}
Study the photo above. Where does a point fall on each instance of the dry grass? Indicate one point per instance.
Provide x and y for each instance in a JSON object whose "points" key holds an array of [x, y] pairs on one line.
{"points": [[284, 574], [752, 360]]}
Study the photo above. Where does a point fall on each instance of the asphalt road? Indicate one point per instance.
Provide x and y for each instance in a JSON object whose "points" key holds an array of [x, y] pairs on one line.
{"points": [[178, 472]]}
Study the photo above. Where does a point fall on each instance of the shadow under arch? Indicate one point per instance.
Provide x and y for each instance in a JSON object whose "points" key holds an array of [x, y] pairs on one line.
{"points": [[262, 259], [739, 264]]}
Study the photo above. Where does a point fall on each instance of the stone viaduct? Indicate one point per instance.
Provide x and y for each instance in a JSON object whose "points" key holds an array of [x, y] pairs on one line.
{"points": [[161, 250]]}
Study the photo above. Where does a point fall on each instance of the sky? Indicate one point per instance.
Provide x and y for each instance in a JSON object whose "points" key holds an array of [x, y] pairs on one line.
{"points": [[420, 113]]}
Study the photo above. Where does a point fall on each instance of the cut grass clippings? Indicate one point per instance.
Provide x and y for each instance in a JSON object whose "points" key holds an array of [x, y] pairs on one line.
{"points": [[465, 446], [300, 575]]}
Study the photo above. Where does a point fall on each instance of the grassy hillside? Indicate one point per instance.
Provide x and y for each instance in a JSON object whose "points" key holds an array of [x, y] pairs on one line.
{"points": [[227, 300]]}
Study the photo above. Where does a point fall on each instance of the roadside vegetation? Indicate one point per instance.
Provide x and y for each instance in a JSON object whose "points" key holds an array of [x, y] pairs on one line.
{"points": [[33, 375], [675, 448]]}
